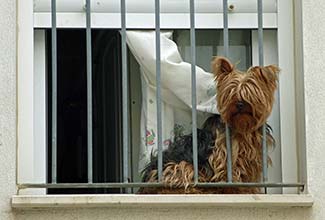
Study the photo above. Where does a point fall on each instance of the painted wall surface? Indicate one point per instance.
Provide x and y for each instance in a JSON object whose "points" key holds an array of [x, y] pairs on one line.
{"points": [[7, 105], [314, 76], [314, 52]]}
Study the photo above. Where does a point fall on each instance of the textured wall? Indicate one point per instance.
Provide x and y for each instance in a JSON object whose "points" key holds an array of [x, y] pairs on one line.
{"points": [[7, 105], [314, 65]]}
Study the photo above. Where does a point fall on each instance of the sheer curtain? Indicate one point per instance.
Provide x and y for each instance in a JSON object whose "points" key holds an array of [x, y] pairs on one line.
{"points": [[176, 91]]}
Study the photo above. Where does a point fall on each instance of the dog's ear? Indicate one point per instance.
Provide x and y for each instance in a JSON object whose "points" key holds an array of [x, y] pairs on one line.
{"points": [[221, 66], [267, 73], [272, 71]]}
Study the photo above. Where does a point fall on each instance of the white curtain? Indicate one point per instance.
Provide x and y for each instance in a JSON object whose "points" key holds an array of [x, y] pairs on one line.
{"points": [[176, 91]]}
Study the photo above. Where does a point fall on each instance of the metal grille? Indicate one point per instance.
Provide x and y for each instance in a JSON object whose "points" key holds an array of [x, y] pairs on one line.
{"points": [[126, 133]]}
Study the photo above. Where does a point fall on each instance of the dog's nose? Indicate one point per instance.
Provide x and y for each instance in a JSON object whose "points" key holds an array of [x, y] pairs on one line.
{"points": [[240, 105]]}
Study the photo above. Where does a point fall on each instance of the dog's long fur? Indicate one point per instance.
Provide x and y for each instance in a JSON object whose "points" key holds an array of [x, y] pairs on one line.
{"points": [[244, 101]]}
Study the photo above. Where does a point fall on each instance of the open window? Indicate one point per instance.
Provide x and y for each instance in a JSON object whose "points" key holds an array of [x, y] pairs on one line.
{"points": [[107, 165]]}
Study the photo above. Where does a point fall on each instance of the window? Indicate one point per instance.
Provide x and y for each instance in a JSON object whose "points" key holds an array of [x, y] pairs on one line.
{"points": [[34, 155]]}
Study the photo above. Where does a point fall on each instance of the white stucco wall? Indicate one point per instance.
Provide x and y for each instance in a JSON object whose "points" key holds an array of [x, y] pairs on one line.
{"points": [[314, 72], [314, 65], [7, 105]]}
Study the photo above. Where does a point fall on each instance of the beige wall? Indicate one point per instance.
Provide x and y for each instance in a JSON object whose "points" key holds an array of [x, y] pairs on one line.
{"points": [[314, 72]]}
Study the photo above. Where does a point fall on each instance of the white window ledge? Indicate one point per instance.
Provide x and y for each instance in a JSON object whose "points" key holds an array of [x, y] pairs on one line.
{"points": [[80, 201]]}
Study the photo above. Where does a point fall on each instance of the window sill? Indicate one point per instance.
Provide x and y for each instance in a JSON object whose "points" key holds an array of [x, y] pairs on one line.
{"points": [[80, 201]]}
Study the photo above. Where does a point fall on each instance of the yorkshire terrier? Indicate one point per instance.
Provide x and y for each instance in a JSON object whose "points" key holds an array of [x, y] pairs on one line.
{"points": [[245, 102]]}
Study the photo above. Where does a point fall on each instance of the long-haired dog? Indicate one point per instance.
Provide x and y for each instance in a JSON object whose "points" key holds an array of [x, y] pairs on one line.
{"points": [[244, 101]]}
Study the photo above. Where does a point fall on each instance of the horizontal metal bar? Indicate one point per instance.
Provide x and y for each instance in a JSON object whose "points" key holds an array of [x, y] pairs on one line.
{"points": [[135, 185]]}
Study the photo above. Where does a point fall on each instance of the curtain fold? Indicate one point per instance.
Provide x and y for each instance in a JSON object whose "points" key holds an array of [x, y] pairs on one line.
{"points": [[175, 90]]}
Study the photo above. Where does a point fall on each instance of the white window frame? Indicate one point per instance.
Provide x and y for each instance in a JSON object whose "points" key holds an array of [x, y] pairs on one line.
{"points": [[105, 14], [31, 158]]}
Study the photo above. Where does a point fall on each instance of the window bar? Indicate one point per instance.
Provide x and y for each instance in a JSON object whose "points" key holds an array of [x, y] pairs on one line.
{"points": [[125, 102], [158, 93], [152, 184], [54, 93], [226, 53], [261, 63], [89, 93], [193, 72]]}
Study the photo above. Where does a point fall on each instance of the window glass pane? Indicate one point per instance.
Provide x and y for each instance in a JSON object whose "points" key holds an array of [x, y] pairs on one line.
{"points": [[209, 43]]}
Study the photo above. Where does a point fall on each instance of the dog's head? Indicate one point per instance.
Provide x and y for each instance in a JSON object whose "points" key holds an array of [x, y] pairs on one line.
{"points": [[245, 99]]}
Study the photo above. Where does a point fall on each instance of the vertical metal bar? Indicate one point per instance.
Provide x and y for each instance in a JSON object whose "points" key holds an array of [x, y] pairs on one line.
{"points": [[225, 28], [261, 63], [264, 154], [193, 79], [158, 94], [54, 93], [89, 93], [226, 54], [260, 33], [125, 101], [229, 154]]}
